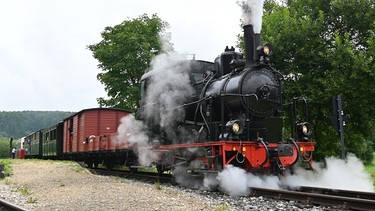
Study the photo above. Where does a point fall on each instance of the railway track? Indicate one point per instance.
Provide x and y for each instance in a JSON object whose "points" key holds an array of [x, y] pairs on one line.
{"points": [[321, 196], [8, 206], [142, 176], [335, 192], [341, 199]]}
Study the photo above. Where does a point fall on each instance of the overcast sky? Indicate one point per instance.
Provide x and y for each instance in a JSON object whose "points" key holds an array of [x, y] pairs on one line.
{"points": [[44, 62]]}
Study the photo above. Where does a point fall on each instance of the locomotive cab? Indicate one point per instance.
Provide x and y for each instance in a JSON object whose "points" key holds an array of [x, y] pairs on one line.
{"points": [[223, 62]]}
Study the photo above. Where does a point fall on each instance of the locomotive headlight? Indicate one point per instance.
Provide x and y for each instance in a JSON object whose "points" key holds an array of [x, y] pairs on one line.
{"points": [[265, 50], [235, 126], [304, 129]]}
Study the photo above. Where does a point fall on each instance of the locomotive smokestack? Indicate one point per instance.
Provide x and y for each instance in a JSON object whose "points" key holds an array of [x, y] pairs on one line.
{"points": [[252, 41]]}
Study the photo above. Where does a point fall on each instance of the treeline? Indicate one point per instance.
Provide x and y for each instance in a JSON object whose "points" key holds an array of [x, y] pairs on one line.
{"points": [[17, 124]]}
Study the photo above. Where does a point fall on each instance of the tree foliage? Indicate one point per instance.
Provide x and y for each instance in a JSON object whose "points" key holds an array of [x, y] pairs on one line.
{"points": [[326, 48], [5, 148], [124, 53]]}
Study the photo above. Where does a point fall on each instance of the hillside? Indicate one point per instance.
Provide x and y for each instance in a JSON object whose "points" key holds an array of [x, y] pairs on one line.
{"points": [[17, 124]]}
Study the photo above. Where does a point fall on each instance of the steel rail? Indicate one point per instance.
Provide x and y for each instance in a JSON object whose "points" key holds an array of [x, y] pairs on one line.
{"points": [[315, 198], [140, 175], [10, 206], [339, 192]]}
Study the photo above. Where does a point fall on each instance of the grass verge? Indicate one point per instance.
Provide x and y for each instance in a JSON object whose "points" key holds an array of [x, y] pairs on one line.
{"points": [[371, 170], [7, 165]]}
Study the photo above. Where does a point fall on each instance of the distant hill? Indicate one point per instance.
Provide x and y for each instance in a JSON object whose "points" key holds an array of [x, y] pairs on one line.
{"points": [[18, 124]]}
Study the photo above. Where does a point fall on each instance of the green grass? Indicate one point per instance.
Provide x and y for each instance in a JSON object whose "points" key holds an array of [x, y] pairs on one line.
{"points": [[7, 164], [222, 207], [371, 170], [32, 200], [25, 191], [157, 185], [78, 169]]}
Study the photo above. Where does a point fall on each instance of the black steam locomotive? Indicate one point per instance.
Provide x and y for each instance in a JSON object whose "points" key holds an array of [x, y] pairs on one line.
{"points": [[233, 113]]}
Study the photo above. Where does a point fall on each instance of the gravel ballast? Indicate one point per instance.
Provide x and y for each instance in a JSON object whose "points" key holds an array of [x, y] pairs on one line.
{"points": [[58, 185]]}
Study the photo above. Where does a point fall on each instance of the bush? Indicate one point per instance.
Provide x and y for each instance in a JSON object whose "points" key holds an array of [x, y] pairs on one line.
{"points": [[5, 148]]}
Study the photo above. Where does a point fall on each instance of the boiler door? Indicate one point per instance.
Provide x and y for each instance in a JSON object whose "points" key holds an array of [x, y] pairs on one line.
{"points": [[264, 92]]}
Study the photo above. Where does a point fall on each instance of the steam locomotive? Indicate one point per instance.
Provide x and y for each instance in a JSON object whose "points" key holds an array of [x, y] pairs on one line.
{"points": [[229, 113], [233, 116]]}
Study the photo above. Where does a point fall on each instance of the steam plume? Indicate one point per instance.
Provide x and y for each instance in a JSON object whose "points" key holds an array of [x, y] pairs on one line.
{"points": [[252, 12], [337, 174], [134, 133], [168, 88]]}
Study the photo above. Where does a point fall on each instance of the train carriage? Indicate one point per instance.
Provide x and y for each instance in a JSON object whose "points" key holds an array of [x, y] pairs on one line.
{"points": [[34, 145], [90, 135], [20, 150], [52, 141]]}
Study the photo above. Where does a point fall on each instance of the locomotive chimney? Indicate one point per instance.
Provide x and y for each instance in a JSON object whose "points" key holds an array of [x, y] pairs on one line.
{"points": [[252, 41]]}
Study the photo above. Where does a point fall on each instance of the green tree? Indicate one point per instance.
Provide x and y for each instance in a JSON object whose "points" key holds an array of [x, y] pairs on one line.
{"points": [[124, 54], [5, 147], [326, 48]]}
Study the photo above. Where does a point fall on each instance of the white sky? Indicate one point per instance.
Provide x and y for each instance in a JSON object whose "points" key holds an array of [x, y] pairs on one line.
{"points": [[44, 62]]}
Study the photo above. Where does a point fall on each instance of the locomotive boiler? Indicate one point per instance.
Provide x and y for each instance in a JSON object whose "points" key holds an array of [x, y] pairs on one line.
{"points": [[248, 93], [233, 114]]}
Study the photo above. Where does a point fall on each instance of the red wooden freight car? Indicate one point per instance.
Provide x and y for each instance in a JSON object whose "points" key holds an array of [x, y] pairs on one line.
{"points": [[90, 135]]}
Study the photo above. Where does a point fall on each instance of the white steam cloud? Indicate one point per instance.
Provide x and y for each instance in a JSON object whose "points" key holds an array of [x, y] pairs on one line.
{"points": [[252, 12], [347, 174], [168, 88], [134, 133], [338, 174]]}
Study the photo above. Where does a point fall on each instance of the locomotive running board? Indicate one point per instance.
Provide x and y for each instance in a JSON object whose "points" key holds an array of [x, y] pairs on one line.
{"points": [[206, 171]]}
